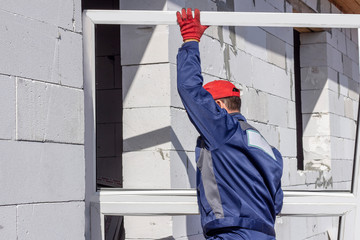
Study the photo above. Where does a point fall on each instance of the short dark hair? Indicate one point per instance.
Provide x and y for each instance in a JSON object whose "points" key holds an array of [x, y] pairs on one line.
{"points": [[232, 103]]}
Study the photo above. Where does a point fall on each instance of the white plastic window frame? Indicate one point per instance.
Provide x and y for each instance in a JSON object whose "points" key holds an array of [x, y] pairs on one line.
{"points": [[345, 205]]}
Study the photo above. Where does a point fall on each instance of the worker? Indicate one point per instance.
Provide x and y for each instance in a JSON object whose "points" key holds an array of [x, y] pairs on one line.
{"points": [[238, 173]]}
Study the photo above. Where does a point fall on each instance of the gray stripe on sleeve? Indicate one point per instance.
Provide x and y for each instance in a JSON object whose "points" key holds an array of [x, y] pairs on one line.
{"points": [[205, 164]]}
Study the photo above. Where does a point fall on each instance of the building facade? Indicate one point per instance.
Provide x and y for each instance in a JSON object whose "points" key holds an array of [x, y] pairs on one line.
{"points": [[299, 87]]}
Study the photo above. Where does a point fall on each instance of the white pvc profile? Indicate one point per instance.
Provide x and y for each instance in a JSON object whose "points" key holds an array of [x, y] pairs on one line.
{"points": [[174, 202], [260, 19]]}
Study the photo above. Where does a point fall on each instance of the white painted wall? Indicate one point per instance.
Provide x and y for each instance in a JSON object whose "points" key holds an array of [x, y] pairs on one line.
{"points": [[42, 168]]}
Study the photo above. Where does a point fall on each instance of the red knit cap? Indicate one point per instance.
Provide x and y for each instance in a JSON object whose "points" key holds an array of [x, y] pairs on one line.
{"points": [[221, 89]]}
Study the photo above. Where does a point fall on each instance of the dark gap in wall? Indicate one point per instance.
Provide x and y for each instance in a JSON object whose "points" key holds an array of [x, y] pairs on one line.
{"points": [[109, 130], [299, 123], [108, 99]]}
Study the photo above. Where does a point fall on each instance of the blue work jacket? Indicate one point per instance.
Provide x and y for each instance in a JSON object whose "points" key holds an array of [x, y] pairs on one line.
{"points": [[238, 172]]}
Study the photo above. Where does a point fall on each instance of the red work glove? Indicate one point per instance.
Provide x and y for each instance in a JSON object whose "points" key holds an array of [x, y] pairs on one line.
{"points": [[190, 27]]}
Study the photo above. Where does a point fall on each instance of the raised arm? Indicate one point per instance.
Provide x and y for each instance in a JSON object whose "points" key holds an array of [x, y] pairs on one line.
{"points": [[214, 124]]}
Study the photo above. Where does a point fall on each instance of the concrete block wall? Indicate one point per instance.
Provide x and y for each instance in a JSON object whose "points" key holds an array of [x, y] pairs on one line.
{"points": [[42, 120], [329, 101]]}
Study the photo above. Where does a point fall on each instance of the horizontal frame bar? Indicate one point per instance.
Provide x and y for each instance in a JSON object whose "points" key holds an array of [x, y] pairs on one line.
{"points": [[259, 19]]}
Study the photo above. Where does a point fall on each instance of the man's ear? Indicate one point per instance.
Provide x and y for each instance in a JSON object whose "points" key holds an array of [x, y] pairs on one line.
{"points": [[220, 103]]}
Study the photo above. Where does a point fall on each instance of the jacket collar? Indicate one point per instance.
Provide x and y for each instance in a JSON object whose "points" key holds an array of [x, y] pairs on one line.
{"points": [[238, 116]]}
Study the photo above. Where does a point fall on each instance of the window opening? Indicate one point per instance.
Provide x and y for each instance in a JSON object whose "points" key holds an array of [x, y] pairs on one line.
{"points": [[337, 204]]}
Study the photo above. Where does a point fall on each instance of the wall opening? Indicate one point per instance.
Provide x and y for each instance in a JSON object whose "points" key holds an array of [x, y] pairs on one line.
{"points": [[299, 123]]}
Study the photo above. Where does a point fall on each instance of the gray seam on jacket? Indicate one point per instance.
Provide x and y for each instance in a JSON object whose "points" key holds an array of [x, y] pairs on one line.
{"points": [[205, 164]]}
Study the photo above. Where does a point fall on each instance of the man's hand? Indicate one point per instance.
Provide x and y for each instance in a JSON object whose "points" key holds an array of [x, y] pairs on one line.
{"points": [[190, 27]]}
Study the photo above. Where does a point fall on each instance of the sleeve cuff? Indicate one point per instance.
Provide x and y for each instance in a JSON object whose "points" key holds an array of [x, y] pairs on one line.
{"points": [[191, 44]]}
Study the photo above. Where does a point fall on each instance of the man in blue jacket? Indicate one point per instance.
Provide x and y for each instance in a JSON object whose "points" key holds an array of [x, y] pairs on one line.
{"points": [[238, 172]]}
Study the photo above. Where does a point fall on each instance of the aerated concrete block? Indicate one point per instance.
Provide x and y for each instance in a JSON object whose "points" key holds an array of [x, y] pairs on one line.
{"points": [[51, 221], [177, 5], [254, 40], [146, 86], [271, 79], [241, 68], [312, 38], [255, 105], [147, 169], [315, 78], [352, 50], [283, 33], [65, 14], [347, 66], [314, 55], [332, 79], [275, 51], [8, 222], [289, 60], [349, 108], [287, 142], [296, 178], [143, 44], [45, 172], [175, 41], [174, 95], [70, 60], [189, 225], [335, 10], [349, 149], [146, 129], [317, 124], [212, 57], [317, 148], [342, 127], [152, 227], [342, 186], [229, 36], [341, 170], [354, 90], [183, 132], [47, 112], [312, 228], [354, 35], [244, 6], [291, 115], [324, 6], [279, 5], [277, 111], [312, 4], [315, 101], [334, 59], [56, 55], [285, 179], [7, 107], [341, 41], [183, 169], [355, 109], [355, 72], [343, 85], [342, 149]]}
